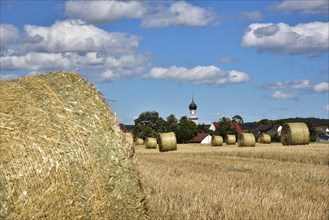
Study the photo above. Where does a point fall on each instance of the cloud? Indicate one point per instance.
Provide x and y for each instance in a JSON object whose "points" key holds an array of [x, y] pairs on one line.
{"points": [[301, 84], [104, 12], [305, 38], [77, 36], [305, 7], [321, 87], [326, 107], [153, 15], [74, 44], [180, 13], [228, 59], [251, 16], [210, 75], [8, 33], [282, 95]]}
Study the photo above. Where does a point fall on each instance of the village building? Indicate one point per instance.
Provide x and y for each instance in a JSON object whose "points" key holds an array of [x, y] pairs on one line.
{"points": [[202, 138], [193, 108]]}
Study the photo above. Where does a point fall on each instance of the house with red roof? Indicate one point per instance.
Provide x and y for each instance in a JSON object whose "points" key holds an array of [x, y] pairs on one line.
{"points": [[202, 138], [235, 125]]}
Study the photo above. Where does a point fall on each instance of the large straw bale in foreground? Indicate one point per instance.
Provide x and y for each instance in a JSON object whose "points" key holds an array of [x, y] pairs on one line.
{"points": [[151, 143], [216, 140], [230, 139], [246, 140], [264, 138], [62, 154], [129, 141], [167, 142], [295, 134]]}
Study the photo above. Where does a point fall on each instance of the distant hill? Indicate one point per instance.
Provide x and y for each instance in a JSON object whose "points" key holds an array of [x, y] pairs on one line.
{"points": [[312, 120]]}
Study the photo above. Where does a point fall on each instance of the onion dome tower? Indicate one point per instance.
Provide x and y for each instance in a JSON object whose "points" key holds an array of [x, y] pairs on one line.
{"points": [[193, 108]]}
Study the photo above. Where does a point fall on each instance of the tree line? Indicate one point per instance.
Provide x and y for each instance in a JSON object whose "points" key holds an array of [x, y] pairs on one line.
{"points": [[150, 124]]}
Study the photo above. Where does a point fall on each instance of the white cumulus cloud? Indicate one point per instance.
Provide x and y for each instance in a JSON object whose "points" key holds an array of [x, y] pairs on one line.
{"points": [[71, 44], [210, 75], [8, 32], [102, 12], [180, 13], [322, 87], [152, 14], [304, 7], [281, 38], [77, 36]]}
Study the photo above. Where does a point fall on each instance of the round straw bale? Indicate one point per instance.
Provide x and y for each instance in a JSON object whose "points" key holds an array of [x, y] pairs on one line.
{"points": [[295, 134], [246, 140], [230, 139], [216, 140], [139, 141], [264, 138], [62, 153], [167, 142], [151, 143]]}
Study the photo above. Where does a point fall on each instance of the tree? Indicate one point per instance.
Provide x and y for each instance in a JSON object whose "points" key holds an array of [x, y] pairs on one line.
{"points": [[186, 130], [172, 123], [238, 119], [312, 130], [264, 122], [225, 127], [203, 128], [149, 124]]}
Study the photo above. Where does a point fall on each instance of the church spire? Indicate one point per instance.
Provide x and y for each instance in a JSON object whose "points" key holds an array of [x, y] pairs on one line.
{"points": [[193, 108]]}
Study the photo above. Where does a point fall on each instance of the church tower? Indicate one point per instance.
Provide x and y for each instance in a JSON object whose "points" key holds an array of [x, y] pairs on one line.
{"points": [[193, 108]]}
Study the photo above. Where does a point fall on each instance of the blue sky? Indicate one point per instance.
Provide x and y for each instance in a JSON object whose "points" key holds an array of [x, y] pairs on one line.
{"points": [[258, 59]]}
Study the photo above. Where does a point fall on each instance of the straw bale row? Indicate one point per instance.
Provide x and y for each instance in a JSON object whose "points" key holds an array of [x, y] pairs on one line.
{"points": [[62, 154], [151, 143], [264, 138], [246, 140], [295, 134], [216, 140]]}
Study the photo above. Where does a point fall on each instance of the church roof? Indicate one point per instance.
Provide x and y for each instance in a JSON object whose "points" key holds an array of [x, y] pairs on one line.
{"points": [[193, 106]]}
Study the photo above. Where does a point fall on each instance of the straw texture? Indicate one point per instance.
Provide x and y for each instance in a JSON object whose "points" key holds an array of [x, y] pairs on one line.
{"points": [[139, 141], [295, 134], [129, 142], [264, 138], [216, 140], [230, 139], [167, 142], [246, 140], [151, 143], [62, 153]]}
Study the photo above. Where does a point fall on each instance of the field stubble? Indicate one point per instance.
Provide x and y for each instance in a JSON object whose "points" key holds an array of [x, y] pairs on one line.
{"points": [[263, 182]]}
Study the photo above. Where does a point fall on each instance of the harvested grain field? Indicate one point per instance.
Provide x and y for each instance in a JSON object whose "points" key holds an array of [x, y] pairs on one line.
{"points": [[268, 181]]}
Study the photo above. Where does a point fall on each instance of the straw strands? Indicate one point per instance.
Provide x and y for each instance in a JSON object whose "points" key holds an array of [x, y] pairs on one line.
{"points": [[295, 134], [264, 138], [216, 140], [139, 141], [246, 140], [151, 143], [62, 153], [129, 141], [230, 139], [167, 142]]}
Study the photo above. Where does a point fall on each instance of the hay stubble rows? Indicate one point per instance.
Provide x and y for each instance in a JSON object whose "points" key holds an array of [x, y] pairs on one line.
{"points": [[262, 182]]}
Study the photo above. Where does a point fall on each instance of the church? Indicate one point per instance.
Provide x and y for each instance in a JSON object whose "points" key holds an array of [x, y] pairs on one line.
{"points": [[193, 108]]}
